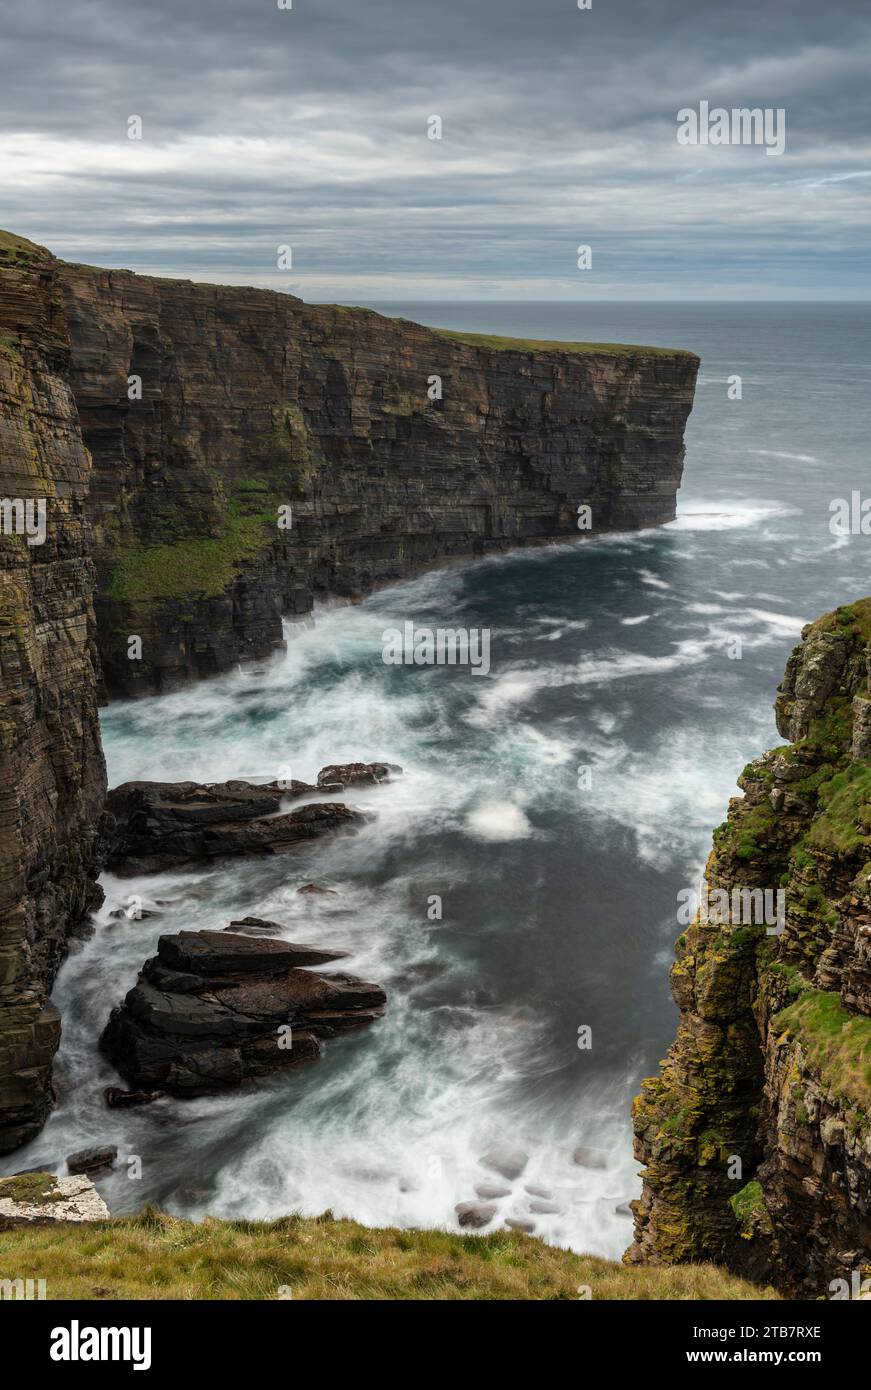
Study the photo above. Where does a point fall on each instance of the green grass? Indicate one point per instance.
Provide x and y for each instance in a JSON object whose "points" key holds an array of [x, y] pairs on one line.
{"points": [[852, 619], [201, 567], [500, 344], [154, 1256], [18, 249], [843, 823], [32, 1188], [837, 1044]]}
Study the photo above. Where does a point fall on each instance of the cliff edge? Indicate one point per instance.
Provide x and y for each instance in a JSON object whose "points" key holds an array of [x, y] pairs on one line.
{"points": [[756, 1135]]}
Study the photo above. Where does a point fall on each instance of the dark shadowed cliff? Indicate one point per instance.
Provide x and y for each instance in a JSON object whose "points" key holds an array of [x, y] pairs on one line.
{"points": [[252, 401], [52, 776]]}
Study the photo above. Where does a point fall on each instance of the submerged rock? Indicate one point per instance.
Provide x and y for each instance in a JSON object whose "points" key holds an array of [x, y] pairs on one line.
{"points": [[212, 1009], [596, 1159], [92, 1160], [118, 1099], [475, 1214], [508, 1163]]}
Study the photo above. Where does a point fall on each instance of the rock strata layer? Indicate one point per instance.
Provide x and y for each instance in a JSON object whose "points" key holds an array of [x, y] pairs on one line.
{"points": [[213, 1009], [52, 775], [756, 1135]]}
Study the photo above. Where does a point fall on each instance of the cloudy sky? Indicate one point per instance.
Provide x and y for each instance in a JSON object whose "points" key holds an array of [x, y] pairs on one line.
{"points": [[308, 127]]}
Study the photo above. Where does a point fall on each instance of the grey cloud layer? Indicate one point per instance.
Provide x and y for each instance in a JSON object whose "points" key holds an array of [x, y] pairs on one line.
{"points": [[264, 126]]}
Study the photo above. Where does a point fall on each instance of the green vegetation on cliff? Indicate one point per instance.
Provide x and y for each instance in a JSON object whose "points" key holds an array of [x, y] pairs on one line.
{"points": [[154, 1256], [836, 1044], [204, 566]]}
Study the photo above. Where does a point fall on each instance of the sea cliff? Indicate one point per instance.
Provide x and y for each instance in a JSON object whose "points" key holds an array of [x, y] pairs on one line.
{"points": [[756, 1134]]}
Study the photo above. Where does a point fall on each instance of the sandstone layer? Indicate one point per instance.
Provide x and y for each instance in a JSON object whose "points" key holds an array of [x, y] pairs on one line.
{"points": [[772, 1061]]}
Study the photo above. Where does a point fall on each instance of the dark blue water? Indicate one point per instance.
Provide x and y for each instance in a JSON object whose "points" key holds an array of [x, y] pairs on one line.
{"points": [[559, 900]]}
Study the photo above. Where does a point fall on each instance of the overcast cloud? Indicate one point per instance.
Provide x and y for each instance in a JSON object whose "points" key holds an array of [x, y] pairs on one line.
{"points": [[308, 127]]}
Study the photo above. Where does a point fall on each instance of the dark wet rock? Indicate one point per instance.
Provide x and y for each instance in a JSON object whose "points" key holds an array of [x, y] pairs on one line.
{"points": [[225, 953], [475, 1214], [212, 1009], [316, 888], [92, 1160], [356, 774], [118, 1099], [160, 825], [535, 1191], [255, 926], [591, 1158], [543, 1208], [517, 1225], [491, 1191], [624, 1209], [121, 914], [507, 1162]]}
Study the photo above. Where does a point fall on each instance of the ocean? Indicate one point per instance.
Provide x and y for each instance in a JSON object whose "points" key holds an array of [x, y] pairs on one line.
{"points": [[557, 806]]}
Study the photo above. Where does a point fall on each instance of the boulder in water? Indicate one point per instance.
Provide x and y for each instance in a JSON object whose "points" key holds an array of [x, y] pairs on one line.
{"points": [[92, 1160], [213, 1009], [507, 1162], [475, 1214]]}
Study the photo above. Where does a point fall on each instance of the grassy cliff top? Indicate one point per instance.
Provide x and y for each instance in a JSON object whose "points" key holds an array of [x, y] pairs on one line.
{"points": [[17, 250], [155, 1256], [500, 344]]}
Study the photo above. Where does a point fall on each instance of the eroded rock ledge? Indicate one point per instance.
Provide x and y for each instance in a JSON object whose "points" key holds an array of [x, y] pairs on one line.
{"points": [[772, 1060]]}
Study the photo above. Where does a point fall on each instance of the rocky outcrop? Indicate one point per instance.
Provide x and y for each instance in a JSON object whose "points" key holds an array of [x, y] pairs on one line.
{"points": [[36, 1198], [756, 1135], [52, 776], [161, 825], [213, 1009], [252, 452]]}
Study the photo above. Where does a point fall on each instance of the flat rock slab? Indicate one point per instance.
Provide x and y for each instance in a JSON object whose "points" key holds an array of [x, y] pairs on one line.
{"points": [[27, 1198], [161, 825], [211, 953]]}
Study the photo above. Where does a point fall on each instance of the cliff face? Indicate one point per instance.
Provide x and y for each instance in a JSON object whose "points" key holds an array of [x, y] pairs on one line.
{"points": [[52, 776], [253, 402], [249, 452], [772, 1060]]}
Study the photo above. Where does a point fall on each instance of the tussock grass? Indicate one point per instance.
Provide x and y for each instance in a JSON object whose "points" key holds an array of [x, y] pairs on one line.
{"points": [[155, 1256]]}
